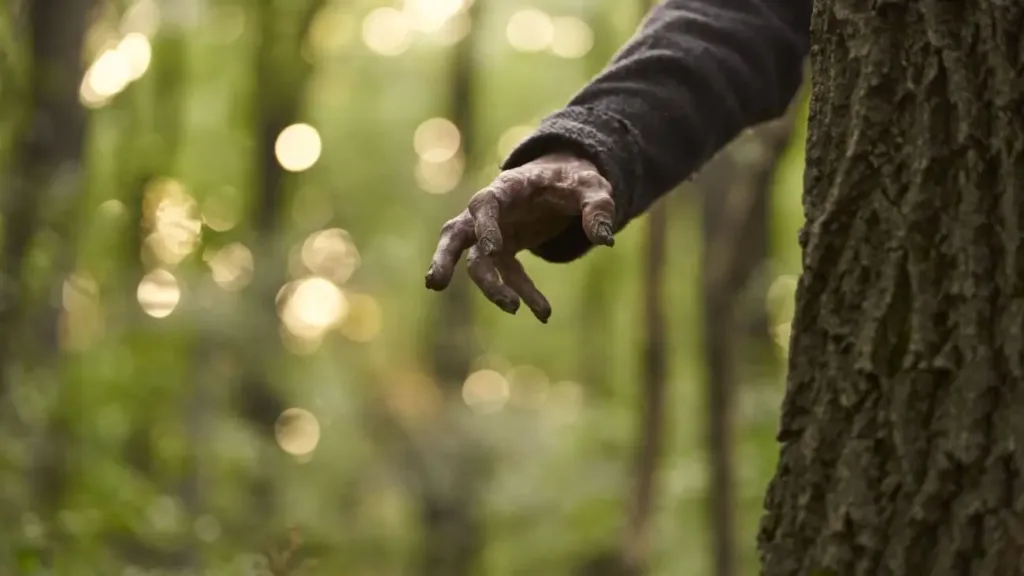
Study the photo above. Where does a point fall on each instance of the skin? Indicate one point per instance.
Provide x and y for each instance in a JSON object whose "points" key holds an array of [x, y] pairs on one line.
{"points": [[520, 210]]}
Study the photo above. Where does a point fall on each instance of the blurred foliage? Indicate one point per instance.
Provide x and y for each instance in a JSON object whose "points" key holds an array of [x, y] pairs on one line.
{"points": [[154, 348]]}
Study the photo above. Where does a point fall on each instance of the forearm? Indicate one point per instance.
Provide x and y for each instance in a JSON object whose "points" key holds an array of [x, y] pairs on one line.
{"points": [[695, 74]]}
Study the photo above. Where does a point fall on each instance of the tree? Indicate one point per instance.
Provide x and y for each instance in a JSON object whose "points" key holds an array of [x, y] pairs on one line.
{"points": [[900, 454]]}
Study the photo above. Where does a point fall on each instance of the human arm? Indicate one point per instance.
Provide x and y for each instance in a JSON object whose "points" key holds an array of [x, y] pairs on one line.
{"points": [[696, 73]]}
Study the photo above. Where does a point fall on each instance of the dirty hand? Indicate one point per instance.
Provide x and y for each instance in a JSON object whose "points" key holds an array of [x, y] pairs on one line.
{"points": [[521, 209]]}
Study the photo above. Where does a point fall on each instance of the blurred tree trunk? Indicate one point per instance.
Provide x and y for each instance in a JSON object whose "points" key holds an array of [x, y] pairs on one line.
{"points": [[901, 446], [451, 480], [632, 558], [44, 182], [41, 192], [735, 189], [282, 75], [637, 547]]}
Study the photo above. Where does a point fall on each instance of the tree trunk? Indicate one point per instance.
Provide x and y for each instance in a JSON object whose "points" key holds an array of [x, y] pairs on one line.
{"points": [[902, 448], [450, 511]]}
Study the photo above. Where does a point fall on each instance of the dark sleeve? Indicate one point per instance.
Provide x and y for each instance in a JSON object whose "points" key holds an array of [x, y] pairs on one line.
{"points": [[695, 75]]}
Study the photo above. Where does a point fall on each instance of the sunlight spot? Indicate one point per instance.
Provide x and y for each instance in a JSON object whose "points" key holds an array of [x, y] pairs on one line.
{"points": [[298, 147], [331, 30], [387, 31], [454, 30], [572, 37], [431, 15], [530, 30], [158, 293], [485, 391], [231, 266], [330, 253], [364, 319], [439, 177], [312, 306], [172, 215], [107, 77], [511, 138], [436, 140], [529, 386], [297, 431], [137, 53]]}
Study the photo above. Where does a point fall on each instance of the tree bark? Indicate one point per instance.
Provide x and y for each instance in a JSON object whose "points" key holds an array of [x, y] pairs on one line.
{"points": [[902, 448]]}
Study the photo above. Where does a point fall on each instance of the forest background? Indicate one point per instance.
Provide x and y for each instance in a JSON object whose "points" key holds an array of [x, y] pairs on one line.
{"points": [[217, 351]]}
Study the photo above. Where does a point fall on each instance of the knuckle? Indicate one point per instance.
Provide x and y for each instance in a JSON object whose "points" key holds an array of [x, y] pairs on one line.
{"points": [[451, 227], [591, 179]]}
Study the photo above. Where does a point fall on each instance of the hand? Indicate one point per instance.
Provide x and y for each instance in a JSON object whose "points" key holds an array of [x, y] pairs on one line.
{"points": [[520, 210]]}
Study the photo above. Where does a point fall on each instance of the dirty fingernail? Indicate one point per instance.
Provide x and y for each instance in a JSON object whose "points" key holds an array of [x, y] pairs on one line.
{"points": [[604, 234]]}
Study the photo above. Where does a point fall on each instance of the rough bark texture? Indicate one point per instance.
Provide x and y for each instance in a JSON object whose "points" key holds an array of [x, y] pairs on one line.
{"points": [[902, 442]]}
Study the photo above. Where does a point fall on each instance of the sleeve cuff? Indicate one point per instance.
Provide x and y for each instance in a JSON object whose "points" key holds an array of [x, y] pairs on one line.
{"points": [[598, 138]]}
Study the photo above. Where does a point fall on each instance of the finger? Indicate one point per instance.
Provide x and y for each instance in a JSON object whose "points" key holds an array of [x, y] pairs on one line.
{"points": [[485, 209], [485, 275], [518, 280], [456, 237], [594, 193]]}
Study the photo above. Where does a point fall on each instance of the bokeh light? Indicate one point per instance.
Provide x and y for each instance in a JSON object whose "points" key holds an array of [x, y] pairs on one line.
{"points": [[230, 266], [158, 293], [137, 53], [485, 391], [437, 140], [297, 431], [330, 254], [172, 216], [387, 31], [530, 30], [572, 37], [364, 319], [298, 147], [431, 15], [439, 177], [311, 306]]}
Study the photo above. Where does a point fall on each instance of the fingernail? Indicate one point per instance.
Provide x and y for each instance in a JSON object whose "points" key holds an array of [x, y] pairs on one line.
{"points": [[510, 306], [604, 234]]}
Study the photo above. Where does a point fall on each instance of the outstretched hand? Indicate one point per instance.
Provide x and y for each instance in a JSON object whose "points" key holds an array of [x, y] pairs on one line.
{"points": [[520, 210]]}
